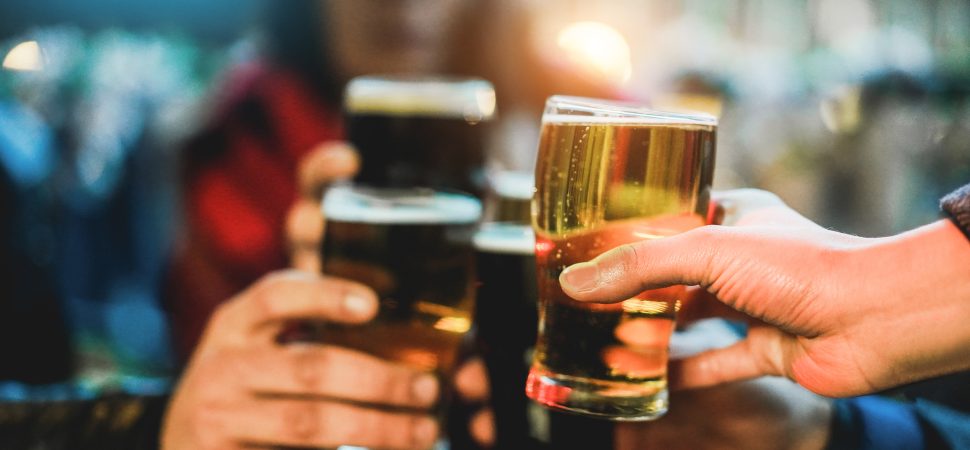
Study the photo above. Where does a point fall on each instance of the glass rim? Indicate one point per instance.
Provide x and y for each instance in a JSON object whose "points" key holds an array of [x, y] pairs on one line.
{"points": [[472, 98], [505, 238], [573, 109], [396, 206]]}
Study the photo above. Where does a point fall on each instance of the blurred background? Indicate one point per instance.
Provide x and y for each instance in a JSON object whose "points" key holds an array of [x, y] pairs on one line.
{"points": [[856, 112]]}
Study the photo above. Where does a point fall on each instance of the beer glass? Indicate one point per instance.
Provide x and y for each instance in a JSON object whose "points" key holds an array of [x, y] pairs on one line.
{"points": [[505, 318], [414, 248], [609, 174], [511, 196], [413, 131]]}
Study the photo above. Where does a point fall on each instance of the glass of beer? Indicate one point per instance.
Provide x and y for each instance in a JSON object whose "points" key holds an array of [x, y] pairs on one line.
{"points": [[610, 174], [510, 199], [420, 131], [505, 319], [414, 248]]}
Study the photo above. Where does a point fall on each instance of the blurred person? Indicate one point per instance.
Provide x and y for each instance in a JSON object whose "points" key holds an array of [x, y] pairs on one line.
{"points": [[239, 172]]}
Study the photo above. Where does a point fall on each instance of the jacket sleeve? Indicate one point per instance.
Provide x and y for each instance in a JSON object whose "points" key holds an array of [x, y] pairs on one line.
{"points": [[956, 206], [878, 423]]}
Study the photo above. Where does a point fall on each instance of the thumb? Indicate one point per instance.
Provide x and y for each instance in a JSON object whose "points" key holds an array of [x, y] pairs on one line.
{"points": [[625, 271], [326, 163]]}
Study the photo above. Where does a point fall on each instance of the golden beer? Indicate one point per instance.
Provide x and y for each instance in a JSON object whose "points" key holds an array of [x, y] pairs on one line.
{"points": [[414, 248], [610, 174]]}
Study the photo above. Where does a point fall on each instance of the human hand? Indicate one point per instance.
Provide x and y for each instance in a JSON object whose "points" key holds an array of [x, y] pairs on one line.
{"points": [[841, 315], [242, 388], [329, 162], [769, 413]]}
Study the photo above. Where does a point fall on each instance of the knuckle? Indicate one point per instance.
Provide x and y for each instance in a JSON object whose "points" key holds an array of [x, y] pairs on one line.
{"points": [[220, 315], [301, 421], [335, 287], [359, 426], [633, 258], [268, 289], [309, 369], [381, 383]]}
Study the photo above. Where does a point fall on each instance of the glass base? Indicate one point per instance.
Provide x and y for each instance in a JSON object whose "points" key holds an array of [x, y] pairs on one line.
{"points": [[610, 400]]}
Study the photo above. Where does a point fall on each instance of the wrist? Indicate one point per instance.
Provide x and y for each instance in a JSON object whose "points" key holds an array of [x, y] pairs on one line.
{"points": [[929, 290]]}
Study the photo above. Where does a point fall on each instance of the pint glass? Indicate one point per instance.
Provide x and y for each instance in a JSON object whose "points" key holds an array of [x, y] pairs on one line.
{"points": [[505, 318], [414, 248], [609, 174], [425, 132]]}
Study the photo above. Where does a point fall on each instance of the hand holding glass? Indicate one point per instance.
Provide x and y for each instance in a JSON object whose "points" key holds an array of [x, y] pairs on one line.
{"points": [[609, 174]]}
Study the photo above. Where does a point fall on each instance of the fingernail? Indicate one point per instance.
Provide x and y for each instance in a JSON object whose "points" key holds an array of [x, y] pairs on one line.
{"points": [[425, 389], [580, 277], [425, 432], [357, 305]]}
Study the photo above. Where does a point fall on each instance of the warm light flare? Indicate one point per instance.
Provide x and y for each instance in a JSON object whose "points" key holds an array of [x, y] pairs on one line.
{"points": [[598, 49], [453, 324], [26, 56]]}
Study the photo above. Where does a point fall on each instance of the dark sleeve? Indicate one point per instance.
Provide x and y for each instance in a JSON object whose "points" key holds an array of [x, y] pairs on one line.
{"points": [[956, 205], [878, 423], [118, 422]]}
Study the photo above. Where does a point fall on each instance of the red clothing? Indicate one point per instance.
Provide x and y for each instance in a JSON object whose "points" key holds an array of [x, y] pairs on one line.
{"points": [[239, 180]]}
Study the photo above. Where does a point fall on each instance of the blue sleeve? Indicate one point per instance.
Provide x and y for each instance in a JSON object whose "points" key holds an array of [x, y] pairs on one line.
{"points": [[873, 422], [944, 428]]}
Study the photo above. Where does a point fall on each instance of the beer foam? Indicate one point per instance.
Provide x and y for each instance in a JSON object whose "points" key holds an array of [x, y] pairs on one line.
{"points": [[387, 207], [505, 238], [579, 110], [514, 185], [471, 99], [626, 120]]}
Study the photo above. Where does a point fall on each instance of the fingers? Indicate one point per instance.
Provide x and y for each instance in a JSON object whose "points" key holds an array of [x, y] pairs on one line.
{"points": [[471, 381], [304, 232], [765, 351], [702, 336], [293, 295], [304, 423], [328, 162], [482, 428], [324, 164], [326, 371], [699, 304], [630, 269], [743, 207]]}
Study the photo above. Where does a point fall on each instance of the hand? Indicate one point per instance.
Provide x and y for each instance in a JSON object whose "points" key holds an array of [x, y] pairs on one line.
{"points": [[841, 315], [242, 388], [769, 413], [327, 163]]}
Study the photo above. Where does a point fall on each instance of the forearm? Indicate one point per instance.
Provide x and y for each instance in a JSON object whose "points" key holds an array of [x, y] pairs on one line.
{"points": [[928, 281]]}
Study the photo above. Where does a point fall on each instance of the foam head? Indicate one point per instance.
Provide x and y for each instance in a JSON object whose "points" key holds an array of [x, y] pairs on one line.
{"points": [[579, 110], [513, 185], [505, 239], [400, 207], [472, 99]]}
